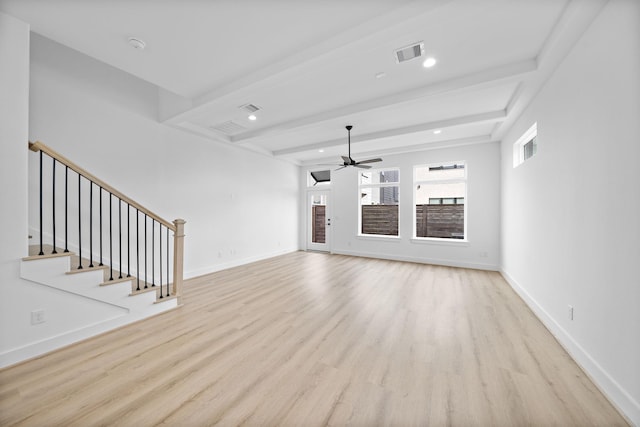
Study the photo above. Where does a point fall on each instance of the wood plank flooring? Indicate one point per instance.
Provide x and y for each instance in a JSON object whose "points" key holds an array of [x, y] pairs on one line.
{"points": [[310, 339]]}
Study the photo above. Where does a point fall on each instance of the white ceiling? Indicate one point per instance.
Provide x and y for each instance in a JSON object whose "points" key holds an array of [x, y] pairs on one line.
{"points": [[311, 65]]}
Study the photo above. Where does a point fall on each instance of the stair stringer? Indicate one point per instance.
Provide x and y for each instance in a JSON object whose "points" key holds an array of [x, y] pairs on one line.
{"points": [[54, 272]]}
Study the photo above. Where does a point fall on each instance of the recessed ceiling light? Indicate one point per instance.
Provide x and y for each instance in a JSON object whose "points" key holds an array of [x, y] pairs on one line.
{"points": [[136, 43], [253, 117], [437, 131], [321, 151], [429, 62], [381, 75]]}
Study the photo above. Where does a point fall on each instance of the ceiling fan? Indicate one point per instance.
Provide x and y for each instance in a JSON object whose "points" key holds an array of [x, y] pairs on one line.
{"points": [[348, 161]]}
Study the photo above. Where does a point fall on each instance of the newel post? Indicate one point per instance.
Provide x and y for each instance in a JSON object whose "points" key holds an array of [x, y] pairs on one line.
{"points": [[178, 258]]}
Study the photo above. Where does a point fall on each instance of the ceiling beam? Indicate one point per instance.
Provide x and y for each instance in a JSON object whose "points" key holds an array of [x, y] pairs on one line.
{"points": [[487, 78], [490, 116], [457, 142], [290, 64]]}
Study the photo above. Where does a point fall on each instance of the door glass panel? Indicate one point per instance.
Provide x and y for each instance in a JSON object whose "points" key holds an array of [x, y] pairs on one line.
{"points": [[318, 218]]}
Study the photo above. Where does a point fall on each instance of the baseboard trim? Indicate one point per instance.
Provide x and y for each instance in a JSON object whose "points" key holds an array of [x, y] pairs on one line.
{"points": [[191, 274], [56, 342], [610, 388], [419, 260]]}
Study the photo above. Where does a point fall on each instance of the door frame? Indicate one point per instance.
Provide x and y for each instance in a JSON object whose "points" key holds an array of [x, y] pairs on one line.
{"points": [[309, 245]]}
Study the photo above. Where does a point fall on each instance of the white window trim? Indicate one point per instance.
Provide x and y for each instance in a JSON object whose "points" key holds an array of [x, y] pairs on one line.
{"points": [[518, 146], [378, 185], [441, 240]]}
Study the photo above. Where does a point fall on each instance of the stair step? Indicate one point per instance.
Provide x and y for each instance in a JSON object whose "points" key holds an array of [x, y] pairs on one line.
{"points": [[34, 250], [75, 262], [165, 299], [114, 281]]}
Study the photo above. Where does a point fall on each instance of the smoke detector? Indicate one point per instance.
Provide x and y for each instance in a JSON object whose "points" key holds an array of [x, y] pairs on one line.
{"points": [[410, 52], [136, 43]]}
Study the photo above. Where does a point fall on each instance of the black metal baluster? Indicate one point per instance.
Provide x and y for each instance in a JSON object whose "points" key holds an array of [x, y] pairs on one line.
{"points": [[153, 253], [90, 224], [160, 255], [120, 235], [145, 252], [66, 208], [110, 237], [128, 242], [168, 290], [53, 199], [79, 223], [100, 228], [137, 249], [41, 251]]}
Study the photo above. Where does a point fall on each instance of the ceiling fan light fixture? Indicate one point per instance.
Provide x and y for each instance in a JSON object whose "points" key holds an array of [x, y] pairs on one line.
{"points": [[348, 161]]}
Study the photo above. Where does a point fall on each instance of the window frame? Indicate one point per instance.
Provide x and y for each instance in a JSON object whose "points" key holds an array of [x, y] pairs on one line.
{"points": [[416, 182], [530, 135], [378, 185]]}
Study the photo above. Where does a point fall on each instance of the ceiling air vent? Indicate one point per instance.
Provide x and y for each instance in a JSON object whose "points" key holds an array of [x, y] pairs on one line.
{"points": [[250, 108], [409, 52], [228, 128]]}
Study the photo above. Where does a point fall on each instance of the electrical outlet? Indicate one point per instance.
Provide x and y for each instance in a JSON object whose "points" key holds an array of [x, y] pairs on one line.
{"points": [[37, 316], [570, 312]]}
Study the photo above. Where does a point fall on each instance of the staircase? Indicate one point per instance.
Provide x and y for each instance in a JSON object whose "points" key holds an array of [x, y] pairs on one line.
{"points": [[95, 242]]}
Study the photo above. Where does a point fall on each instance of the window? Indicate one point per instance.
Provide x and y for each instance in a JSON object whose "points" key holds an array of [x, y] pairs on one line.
{"points": [[440, 193], [379, 197], [318, 178], [526, 146]]}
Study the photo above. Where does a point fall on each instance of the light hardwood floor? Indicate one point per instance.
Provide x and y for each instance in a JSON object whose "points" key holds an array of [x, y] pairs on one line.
{"points": [[311, 339]]}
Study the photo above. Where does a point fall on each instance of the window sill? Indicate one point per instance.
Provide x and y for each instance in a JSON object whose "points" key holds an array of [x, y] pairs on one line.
{"points": [[380, 237], [439, 241]]}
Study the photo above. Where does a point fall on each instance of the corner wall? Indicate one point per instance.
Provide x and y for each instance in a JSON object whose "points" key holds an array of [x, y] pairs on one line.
{"points": [[68, 317], [571, 214], [105, 120], [240, 206]]}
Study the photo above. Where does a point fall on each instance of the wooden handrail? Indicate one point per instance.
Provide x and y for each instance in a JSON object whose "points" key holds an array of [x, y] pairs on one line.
{"points": [[39, 146]]}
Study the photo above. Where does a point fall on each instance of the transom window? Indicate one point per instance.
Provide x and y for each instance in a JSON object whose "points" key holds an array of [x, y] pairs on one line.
{"points": [[315, 178], [440, 193], [379, 191], [526, 146]]}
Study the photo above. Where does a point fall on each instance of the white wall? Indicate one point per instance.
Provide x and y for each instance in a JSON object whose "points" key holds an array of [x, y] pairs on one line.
{"points": [[239, 206], [571, 214], [483, 211], [67, 315]]}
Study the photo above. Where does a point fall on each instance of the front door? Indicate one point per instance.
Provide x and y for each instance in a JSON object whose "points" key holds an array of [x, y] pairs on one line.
{"points": [[319, 221]]}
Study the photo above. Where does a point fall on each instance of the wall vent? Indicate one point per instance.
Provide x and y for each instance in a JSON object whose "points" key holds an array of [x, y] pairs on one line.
{"points": [[410, 52], [228, 128], [250, 108]]}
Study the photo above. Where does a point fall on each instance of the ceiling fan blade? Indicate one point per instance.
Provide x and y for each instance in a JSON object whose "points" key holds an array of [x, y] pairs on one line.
{"points": [[346, 159], [341, 167], [358, 165], [370, 161]]}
